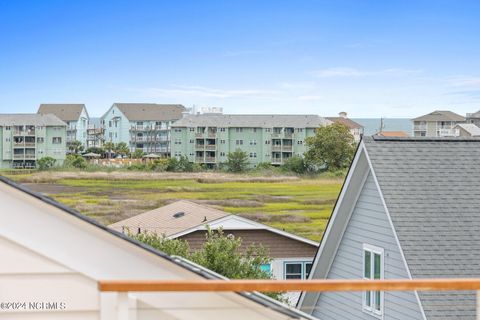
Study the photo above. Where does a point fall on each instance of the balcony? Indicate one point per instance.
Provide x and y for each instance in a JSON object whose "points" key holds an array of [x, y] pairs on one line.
{"points": [[447, 132], [30, 144], [210, 159], [211, 147], [199, 160], [277, 148], [18, 156], [29, 156], [137, 128], [277, 161], [199, 134], [287, 148], [420, 127], [288, 135], [200, 146]]}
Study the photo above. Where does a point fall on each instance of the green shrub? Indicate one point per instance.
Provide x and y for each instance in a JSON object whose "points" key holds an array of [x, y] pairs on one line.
{"points": [[75, 161], [237, 161], [158, 165], [46, 163], [295, 164]]}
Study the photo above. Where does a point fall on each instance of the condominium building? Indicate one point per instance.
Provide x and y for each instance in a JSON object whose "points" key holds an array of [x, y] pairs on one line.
{"points": [[208, 138], [74, 115], [436, 124], [144, 126], [25, 138]]}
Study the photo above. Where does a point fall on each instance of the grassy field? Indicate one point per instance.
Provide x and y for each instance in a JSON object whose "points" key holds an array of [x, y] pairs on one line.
{"points": [[298, 205]]}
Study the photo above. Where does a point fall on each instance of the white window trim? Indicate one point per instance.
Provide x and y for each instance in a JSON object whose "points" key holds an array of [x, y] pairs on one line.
{"points": [[370, 309]]}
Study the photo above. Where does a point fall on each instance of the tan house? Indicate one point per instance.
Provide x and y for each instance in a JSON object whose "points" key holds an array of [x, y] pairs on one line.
{"points": [[436, 124], [52, 258], [292, 255], [356, 129]]}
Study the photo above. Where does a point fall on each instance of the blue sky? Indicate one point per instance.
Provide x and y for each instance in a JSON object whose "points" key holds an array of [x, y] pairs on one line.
{"points": [[369, 58]]}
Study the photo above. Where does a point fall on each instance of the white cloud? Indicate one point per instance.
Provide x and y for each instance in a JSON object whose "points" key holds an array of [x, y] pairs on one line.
{"points": [[205, 92], [310, 98], [353, 73]]}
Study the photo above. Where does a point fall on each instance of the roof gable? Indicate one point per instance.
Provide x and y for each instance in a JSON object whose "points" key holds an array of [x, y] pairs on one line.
{"points": [[345, 121], [64, 111], [441, 115]]}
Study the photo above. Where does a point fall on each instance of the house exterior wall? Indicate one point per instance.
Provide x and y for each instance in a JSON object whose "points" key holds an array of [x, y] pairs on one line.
{"points": [[368, 224], [278, 246], [13, 154], [77, 129], [211, 145]]}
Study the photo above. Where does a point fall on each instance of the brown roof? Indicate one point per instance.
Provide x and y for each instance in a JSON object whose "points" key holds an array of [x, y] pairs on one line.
{"points": [[345, 121], [392, 134], [151, 111], [440, 115], [64, 111], [163, 221]]}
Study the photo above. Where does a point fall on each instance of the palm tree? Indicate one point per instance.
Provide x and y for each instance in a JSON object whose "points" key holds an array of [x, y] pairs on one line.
{"points": [[109, 146]]}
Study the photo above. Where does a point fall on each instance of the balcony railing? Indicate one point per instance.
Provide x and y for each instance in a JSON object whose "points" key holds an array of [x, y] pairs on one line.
{"points": [[289, 135], [199, 159], [199, 134], [29, 156], [210, 147], [287, 148], [447, 132], [210, 159], [420, 127], [277, 161], [121, 305], [18, 156], [277, 148]]}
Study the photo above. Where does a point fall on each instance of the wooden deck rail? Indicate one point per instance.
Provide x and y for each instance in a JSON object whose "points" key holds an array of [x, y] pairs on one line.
{"points": [[289, 285]]}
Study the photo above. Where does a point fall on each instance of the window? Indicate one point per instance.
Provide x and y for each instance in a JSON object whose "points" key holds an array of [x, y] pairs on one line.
{"points": [[253, 154], [8, 128], [192, 129], [191, 140], [373, 270], [178, 130], [222, 154], [238, 129], [222, 129], [268, 129], [299, 142], [239, 142], [40, 140], [253, 142], [222, 141], [109, 124], [267, 141], [267, 268], [57, 140], [254, 129], [297, 270]]}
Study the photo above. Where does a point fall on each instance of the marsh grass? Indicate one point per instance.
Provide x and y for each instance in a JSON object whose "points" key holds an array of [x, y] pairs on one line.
{"points": [[298, 205]]}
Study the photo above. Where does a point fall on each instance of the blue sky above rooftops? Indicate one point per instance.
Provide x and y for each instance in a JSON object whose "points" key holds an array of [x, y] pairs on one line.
{"points": [[394, 58]]}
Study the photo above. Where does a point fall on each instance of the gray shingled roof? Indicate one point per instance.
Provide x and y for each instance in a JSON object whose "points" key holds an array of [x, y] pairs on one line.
{"points": [[151, 111], [32, 119], [472, 129], [64, 111], [432, 190], [251, 120], [441, 115]]}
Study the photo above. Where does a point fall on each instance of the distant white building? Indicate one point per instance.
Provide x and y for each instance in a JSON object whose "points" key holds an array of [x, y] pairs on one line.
{"points": [[356, 129]]}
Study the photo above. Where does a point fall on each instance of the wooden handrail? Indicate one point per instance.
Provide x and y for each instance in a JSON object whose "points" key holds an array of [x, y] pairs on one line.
{"points": [[289, 285]]}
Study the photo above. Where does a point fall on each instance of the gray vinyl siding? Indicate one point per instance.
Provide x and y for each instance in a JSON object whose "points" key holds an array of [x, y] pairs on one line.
{"points": [[368, 225]]}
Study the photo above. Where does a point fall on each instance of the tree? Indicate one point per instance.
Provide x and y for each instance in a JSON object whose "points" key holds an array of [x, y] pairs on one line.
{"points": [[220, 253], [332, 148], [46, 163], [296, 164], [75, 147], [137, 154], [109, 146], [97, 150], [237, 161], [122, 149]]}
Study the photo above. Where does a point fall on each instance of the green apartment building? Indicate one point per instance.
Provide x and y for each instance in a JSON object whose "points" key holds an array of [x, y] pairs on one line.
{"points": [[74, 115], [208, 138], [143, 126], [25, 138]]}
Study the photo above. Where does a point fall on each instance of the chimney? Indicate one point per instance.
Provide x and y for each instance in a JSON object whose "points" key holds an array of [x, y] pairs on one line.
{"points": [[342, 114]]}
